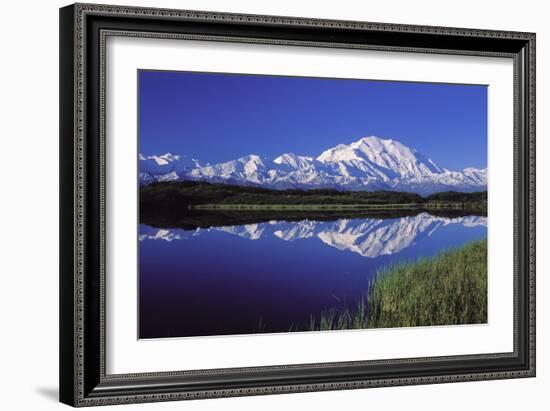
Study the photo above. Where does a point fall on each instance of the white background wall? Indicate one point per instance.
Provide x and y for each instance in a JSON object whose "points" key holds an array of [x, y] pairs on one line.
{"points": [[29, 205]]}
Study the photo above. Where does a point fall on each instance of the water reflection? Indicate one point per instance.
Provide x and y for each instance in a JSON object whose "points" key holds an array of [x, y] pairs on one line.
{"points": [[229, 279], [366, 237]]}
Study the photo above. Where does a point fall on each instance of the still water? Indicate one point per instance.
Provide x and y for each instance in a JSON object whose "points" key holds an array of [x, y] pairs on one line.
{"points": [[273, 276]]}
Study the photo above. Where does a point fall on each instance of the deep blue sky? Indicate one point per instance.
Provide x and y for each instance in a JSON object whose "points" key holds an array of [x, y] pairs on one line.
{"points": [[219, 117]]}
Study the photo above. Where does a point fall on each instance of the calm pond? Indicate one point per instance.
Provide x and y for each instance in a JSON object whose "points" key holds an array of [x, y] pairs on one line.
{"points": [[273, 276]]}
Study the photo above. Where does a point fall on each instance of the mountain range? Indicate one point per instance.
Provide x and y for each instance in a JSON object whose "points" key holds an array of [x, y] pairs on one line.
{"points": [[367, 237], [370, 163]]}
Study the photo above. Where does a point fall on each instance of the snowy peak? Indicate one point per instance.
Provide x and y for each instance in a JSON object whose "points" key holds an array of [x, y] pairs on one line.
{"points": [[390, 157], [293, 161], [478, 176], [166, 164], [251, 169]]}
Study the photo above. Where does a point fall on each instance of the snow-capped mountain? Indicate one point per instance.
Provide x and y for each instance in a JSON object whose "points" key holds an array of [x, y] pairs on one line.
{"points": [[251, 169], [165, 167], [367, 237], [373, 156], [371, 163]]}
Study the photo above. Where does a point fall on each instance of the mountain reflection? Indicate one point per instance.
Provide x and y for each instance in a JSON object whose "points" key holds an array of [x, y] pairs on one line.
{"points": [[367, 237]]}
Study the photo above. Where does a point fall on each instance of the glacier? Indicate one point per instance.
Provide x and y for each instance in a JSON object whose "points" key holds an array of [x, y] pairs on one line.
{"points": [[368, 164]]}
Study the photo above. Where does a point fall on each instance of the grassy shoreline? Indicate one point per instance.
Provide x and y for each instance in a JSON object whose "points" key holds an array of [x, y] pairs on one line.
{"points": [[304, 207], [191, 205], [449, 289], [331, 207]]}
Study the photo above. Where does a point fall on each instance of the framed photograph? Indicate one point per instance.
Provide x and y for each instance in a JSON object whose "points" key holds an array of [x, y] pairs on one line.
{"points": [[261, 204]]}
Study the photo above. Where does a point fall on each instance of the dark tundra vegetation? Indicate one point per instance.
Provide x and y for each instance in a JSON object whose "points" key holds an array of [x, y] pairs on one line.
{"points": [[191, 194], [448, 289]]}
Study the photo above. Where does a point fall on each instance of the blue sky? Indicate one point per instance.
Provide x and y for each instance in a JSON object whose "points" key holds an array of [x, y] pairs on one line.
{"points": [[219, 117]]}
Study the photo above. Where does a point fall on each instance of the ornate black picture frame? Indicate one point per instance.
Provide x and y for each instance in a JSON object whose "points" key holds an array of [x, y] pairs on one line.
{"points": [[83, 31]]}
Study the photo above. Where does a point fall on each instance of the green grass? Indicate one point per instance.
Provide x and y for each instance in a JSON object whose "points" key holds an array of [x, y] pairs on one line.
{"points": [[448, 289]]}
